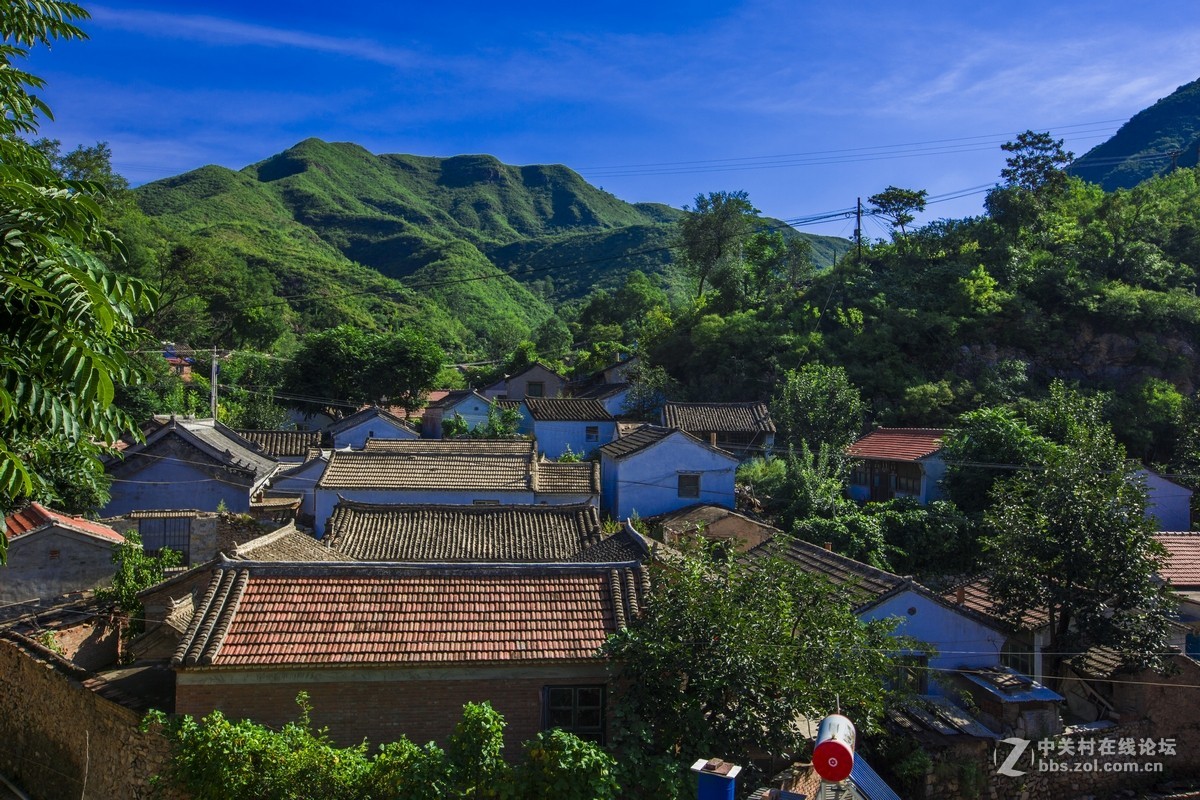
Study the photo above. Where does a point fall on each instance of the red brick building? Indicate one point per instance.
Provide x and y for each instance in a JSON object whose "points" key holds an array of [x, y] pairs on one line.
{"points": [[387, 650]]}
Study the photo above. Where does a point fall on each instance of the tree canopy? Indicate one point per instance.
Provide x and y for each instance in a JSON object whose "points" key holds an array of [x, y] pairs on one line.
{"points": [[67, 320]]}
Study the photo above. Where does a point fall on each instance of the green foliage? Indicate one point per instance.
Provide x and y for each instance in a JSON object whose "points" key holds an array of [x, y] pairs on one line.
{"points": [[341, 369], [818, 405], [898, 205], [711, 238], [215, 758], [136, 570], [728, 655], [67, 320], [565, 767], [1070, 541]]}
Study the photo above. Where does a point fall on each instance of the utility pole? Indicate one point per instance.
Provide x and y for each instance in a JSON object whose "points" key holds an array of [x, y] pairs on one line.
{"points": [[1175, 154], [213, 384], [858, 227]]}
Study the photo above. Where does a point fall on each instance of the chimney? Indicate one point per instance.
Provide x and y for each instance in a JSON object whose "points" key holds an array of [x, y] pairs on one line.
{"points": [[716, 779], [960, 596], [829, 546], [712, 438]]}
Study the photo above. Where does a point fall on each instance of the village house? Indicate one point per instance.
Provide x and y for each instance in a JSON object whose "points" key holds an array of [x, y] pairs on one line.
{"points": [[458, 533], [301, 480], [610, 395], [390, 650], [1167, 503], [536, 380], [922, 615], [187, 464], [455, 472], [468, 404], [170, 606], [744, 429], [714, 523], [569, 425], [51, 554], [654, 470], [897, 462], [369, 423]]}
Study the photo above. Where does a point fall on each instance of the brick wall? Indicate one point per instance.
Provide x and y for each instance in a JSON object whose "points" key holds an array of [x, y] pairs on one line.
{"points": [[62, 740], [380, 711]]}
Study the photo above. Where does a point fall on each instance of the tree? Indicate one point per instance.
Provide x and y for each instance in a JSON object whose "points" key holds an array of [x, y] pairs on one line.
{"points": [[341, 369], [726, 656], [1036, 163], [136, 570], [1070, 543], [984, 447], [897, 205], [67, 321], [711, 236], [818, 405]]}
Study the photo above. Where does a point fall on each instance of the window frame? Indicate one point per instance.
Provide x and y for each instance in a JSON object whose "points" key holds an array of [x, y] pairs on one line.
{"points": [[541, 389], [577, 724], [689, 477]]}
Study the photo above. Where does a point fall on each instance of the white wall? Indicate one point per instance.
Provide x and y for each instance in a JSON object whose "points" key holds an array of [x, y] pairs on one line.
{"points": [[648, 481], [553, 437], [378, 428], [960, 640], [1169, 503]]}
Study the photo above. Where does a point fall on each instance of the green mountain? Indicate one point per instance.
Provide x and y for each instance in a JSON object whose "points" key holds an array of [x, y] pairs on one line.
{"points": [[483, 248], [1143, 147]]}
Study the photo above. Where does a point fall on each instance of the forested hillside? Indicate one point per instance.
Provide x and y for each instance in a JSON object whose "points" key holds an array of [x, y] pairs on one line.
{"points": [[1165, 135], [337, 231]]}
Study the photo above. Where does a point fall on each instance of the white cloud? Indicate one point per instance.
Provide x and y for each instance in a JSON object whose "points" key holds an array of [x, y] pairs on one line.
{"points": [[220, 31]]}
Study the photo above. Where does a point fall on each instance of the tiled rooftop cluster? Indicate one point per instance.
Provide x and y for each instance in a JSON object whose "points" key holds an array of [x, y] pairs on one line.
{"points": [[282, 444], [863, 583]]}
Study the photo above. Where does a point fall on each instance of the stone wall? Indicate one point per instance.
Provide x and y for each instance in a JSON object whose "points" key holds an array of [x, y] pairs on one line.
{"points": [[63, 738]]}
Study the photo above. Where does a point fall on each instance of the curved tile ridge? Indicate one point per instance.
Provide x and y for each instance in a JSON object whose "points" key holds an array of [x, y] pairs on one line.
{"points": [[198, 618], [618, 602], [209, 618], [225, 618], [631, 596]]}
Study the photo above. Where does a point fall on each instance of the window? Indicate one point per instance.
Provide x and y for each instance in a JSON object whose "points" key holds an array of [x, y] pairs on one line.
{"points": [[860, 475], [535, 389], [485, 502], [911, 675], [163, 533], [575, 709], [908, 479], [1017, 654], [592, 433], [689, 484]]}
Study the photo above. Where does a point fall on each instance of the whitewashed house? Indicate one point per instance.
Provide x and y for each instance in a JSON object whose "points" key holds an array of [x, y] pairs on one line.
{"points": [[654, 470], [370, 423]]}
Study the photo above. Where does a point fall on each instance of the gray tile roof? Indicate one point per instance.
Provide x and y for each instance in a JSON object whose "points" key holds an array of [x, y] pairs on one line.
{"points": [[454, 447], [582, 477], [287, 544], [864, 584], [718, 417], [210, 437], [638, 439], [282, 444], [370, 469], [647, 435], [458, 533], [601, 391], [457, 464], [567, 409]]}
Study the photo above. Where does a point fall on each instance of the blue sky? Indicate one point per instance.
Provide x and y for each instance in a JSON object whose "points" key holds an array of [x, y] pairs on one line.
{"points": [[804, 105]]}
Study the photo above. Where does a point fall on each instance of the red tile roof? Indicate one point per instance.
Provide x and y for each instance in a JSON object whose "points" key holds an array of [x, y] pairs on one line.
{"points": [[977, 597], [334, 614], [36, 516], [1182, 569], [898, 444]]}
